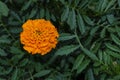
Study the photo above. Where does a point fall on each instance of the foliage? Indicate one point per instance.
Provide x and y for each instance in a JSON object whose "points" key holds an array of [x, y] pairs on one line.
{"points": [[89, 42]]}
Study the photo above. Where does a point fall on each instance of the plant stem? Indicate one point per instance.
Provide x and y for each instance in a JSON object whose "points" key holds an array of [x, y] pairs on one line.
{"points": [[31, 75], [81, 46], [7, 31]]}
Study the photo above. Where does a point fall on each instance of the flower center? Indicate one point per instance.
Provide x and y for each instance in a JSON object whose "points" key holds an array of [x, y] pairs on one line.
{"points": [[38, 32]]}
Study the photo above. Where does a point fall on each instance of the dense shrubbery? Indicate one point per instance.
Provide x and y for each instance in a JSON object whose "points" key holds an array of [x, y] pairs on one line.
{"points": [[89, 42]]}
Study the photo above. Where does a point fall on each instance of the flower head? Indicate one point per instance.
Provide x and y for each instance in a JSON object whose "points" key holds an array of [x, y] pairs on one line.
{"points": [[39, 36]]}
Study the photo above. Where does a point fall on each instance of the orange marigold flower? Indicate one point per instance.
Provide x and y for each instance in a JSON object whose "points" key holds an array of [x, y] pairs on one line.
{"points": [[39, 36]]}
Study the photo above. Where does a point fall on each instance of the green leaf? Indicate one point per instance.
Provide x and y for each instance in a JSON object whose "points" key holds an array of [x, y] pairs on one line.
{"points": [[115, 39], [2, 79], [90, 75], [65, 13], [112, 47], [83, 4], [42, 13], [111, 3], [104, 4], [16, 16], [98, 8], [16, 50], [94, 30], [118, 30], [26, 5], [53, 17], [111, 18], [66, 36], [88, 20], [90, 54], [83, 65], [3, 9], [118, 2], [47, 14], [42, 73], [106, 58], [100, 55], [77, 2], [114, 54], [15, 30], [33, 13], [4, 62], [23, 62], [111, 29], [4, 39], [6, 71], [102, 34], [95, 46], [78, 61], [102, 77], [72, 19], [2, 52], [15, 75], [65, 50], [80, 23], [15, 59]]}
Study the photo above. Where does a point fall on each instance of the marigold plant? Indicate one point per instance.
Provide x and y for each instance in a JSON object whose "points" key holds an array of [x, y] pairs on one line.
{"points": [[39, 36]]}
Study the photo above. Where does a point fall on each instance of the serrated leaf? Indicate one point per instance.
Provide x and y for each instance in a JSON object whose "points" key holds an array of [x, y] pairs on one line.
{"points": [[111, 18], [94, 30], [4, 39], [33, 13], [3, 9], [65, 50], [2, 79], [100, 54], [72, 19], [23, 62], [112, 47], [116, 55], [110, 4], [95, 46], [88, 20], [104, 4], [118, 30], [65, 13], [83, 65], [15, 59], [83, 4], [102, 34], [42, 73], [26, 5], [119, 3], [111, 29], [16, 50], [115, 39], [90, 75], [14, 75], [7, 71], [16, 16], [47, 14], [99, 5], [80, 23], [53, 17], [77, 2], [42, 13], [105, 57], [66, 36], [78, 61], [15, 30], [4, 62], [90, 54], [2, 52]]}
